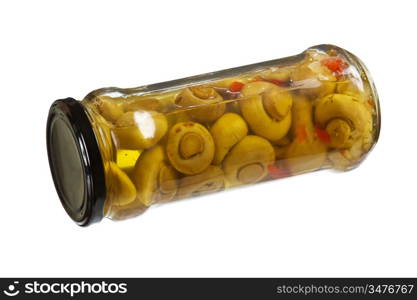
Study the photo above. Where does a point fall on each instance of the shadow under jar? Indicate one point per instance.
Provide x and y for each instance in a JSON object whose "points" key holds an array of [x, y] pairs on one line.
{"points": [[120, 151]]}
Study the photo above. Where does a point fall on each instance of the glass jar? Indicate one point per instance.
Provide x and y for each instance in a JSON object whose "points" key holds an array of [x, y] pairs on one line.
{"points": [[119, 151]]}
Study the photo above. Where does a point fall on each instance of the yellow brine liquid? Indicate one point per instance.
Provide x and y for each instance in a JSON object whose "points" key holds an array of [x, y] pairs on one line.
{"points": [[318, 110]]}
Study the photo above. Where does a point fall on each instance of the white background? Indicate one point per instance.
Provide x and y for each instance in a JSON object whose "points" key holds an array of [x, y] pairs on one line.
{"points": [[360, 223]]}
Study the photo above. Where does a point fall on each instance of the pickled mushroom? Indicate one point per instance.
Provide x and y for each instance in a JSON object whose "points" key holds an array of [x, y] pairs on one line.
{"points": [[205, 103], [248, 161], [306, 152], [190, 147], [121, 191], [267, 109], [228, 130], [209, 181], [345, 118], [139, 129], [107, 108], [154, 179]]}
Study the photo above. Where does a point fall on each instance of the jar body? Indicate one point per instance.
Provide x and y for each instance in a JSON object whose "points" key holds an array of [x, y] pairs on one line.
{"points": [[206, 133]]}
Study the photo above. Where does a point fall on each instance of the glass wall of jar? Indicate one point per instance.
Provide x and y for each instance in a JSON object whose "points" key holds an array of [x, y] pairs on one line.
{"points": [[202, 134]]}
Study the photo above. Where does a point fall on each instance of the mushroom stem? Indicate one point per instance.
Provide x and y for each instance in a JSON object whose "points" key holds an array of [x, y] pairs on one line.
{"points": [[305, 153], [191, 144], [339, 131]]}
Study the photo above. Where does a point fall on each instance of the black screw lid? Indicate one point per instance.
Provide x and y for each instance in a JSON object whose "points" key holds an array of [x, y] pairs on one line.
{"points": [[75, 161]]}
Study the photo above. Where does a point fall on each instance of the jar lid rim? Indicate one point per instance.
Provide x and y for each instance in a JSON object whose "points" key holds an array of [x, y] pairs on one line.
{"points": [[75, 161]]}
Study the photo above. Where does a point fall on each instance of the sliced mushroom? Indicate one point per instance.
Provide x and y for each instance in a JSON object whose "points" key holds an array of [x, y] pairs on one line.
{"points": [[154, 179], [345, 118], [139, 129], [190, 147], [228, 130], [204, 103], [306, 152], [209, 181], [248, 161], [267, 109]]}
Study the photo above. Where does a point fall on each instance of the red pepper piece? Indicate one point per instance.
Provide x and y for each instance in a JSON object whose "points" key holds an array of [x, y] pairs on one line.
{"points": [[301, 134], [236, 86], [323, 135], [334, 64], [276, 172]]}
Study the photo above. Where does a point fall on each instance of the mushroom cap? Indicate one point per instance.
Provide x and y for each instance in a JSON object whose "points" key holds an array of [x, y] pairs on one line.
{"points": [[168, 183], [139, 129], [345, 108], [205, 103], [248, 161], [228, 130], [305, 153], [120, 189], [267, 109], [153, 178], [190, 147], [260, 122], [107, 108], [277, 102]]}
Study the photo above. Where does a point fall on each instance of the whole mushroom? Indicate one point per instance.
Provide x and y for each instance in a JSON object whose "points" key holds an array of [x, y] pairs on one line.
{"points": [[349, 124], [345, 118], [267, 109], [248, 161], [190, 147]]}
